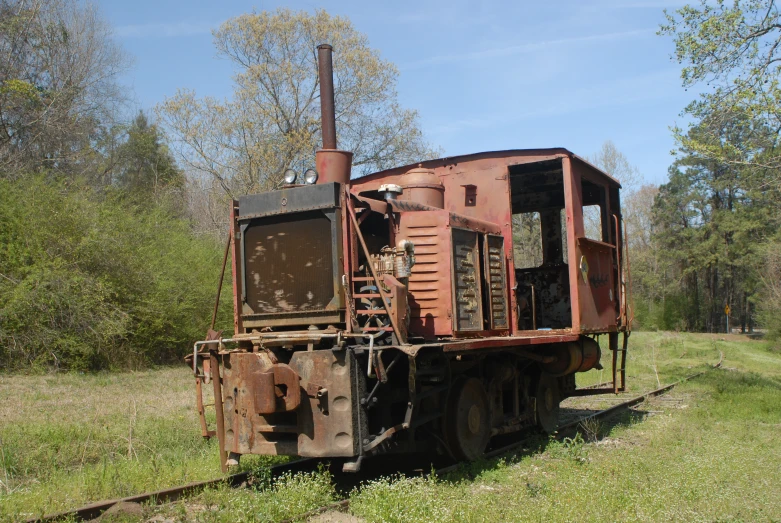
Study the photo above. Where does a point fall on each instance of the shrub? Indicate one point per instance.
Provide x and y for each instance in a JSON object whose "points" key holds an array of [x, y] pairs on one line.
{"points": [[89, 280]]}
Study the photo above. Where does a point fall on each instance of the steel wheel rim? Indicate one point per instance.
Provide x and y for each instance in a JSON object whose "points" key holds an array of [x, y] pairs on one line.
{"points": [[548, 399], [468, 420]]}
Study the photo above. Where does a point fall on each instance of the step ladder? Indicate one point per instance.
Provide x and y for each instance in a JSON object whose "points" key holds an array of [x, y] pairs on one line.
{"points": [[619, 371]]}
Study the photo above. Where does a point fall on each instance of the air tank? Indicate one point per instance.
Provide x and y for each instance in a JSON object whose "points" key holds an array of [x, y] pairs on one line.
{"points": [[422, 186], [574, 357]]}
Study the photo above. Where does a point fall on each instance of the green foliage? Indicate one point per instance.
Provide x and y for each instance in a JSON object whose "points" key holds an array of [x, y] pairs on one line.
{"points": [[730, 155], [144, 166], [71, 438], [59, 67], [90, 281], [527, 240], [733, 47], [575, 449], [272, 120], [698, 454], [290, 496]]}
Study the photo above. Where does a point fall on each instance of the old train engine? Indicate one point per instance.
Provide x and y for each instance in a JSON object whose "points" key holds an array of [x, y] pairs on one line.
{"points": [[423, 308]]}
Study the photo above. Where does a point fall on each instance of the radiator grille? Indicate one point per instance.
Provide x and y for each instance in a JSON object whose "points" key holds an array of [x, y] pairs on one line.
{"points": [[289, 263]]}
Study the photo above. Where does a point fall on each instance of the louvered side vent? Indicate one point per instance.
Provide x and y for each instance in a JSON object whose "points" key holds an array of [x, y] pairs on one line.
{"points": [[468, 313], [426, 277], [496, 278], [429, 287]]}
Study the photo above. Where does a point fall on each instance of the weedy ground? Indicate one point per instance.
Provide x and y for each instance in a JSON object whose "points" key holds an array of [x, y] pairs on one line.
{"points": [[707, 451], [71, 439]]}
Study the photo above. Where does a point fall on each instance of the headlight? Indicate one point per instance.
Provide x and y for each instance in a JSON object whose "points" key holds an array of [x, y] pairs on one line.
{"points": [[290, 176], [310, 176]]}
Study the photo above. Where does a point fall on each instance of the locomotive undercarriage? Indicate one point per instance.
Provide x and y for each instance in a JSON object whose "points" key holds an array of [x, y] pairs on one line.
{"points": [[331, 402]]}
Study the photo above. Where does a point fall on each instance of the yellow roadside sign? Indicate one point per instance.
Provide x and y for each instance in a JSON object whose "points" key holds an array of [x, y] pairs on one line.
{"points": [[726, 309]]}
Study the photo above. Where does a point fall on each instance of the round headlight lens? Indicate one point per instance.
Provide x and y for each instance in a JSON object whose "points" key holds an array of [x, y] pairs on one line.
{"points": [[310, 176], [290, 176]]}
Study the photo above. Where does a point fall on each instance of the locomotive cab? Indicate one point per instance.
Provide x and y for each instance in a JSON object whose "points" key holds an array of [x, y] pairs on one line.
{"points": [[427, 307], [554, 214]]}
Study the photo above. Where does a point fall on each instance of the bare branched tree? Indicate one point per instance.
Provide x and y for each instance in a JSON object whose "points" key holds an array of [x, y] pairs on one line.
{"points": [[617, 165], [272, 121], [58, 84]]}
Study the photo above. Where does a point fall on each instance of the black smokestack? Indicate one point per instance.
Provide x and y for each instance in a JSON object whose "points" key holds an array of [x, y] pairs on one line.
{"points": [[326, 72]]}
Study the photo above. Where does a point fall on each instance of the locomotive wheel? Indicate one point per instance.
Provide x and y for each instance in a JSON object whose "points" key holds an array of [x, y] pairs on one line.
{"points": [[467, 420], [548, 399]]}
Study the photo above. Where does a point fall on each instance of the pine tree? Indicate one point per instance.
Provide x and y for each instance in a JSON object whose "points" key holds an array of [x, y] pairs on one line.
{"points": [[144, 164]]}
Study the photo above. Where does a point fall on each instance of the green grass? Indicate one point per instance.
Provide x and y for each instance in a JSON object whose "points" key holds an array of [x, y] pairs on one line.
{"points": [[70, 439], [708, 452]]}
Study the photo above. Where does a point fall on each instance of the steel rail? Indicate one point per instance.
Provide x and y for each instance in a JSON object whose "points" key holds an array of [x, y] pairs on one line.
{"points": [[94, 510]]}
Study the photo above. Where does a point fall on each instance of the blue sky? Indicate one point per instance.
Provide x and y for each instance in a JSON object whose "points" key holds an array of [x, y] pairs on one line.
{"points": [[484, 75]]}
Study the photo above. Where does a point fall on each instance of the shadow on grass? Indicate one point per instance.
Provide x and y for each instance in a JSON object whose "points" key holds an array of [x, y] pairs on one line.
{"points": [[738, 395], [534, 443]]}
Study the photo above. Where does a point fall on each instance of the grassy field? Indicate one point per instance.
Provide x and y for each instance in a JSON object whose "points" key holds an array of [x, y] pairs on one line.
{"points": [[69, 439], [707, 452]]}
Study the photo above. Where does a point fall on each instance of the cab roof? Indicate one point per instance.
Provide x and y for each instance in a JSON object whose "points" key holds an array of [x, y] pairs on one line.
{"points": [[537, 154]]}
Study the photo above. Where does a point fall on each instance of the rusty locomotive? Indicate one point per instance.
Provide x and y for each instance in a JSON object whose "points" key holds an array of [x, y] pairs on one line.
{"points": [[391, 313]]}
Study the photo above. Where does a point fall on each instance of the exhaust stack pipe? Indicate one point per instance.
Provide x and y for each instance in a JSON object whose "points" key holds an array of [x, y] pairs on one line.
{"points": [[325, 68], [332, 164]]}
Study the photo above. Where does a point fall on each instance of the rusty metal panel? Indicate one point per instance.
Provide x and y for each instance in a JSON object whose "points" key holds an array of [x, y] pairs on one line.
{"points": [[429, 282], [573, 207], [290, 200], [595, 283], [467, 296], [330, 424], [306, 408], [288, 263], [477, 186], [252, 425], [496, 280], [235, 266]]}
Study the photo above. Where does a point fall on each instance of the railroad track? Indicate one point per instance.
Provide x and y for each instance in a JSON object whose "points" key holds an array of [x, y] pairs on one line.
{"points": [[94, 510]]}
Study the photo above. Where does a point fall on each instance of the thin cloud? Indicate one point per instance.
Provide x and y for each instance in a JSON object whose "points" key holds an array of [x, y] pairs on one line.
{"points": [[522, 48], [626, 91], [413, 18], [163, 30]]}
